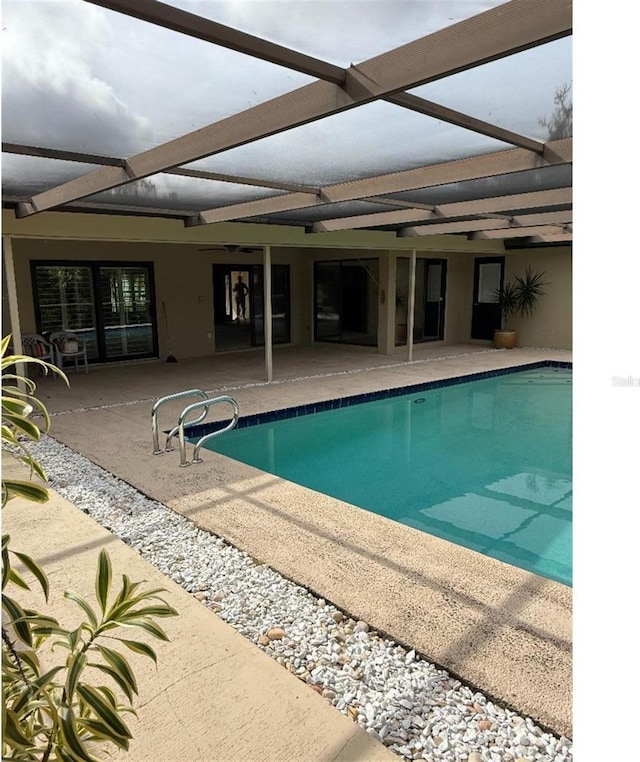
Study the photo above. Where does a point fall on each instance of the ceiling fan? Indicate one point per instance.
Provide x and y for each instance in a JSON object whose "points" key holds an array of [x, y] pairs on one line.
{"points": [[232, 248]]}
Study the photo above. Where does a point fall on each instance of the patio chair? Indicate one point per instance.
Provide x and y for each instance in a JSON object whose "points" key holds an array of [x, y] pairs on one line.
{"points": [[69, 346], [35, 345]]}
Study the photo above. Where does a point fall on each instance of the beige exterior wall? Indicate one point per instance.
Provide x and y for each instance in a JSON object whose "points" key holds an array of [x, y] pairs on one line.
{"points": [[183, 280], [183, 272], [550, 326]]}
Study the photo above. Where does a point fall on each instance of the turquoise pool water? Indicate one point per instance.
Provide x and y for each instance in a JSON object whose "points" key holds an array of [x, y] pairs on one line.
{"points": [[485, 464]]}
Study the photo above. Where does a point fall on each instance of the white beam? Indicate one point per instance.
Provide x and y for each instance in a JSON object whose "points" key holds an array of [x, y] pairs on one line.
{"points": [[519, 232], [412, 305], [455, 209], [460, 170], [497, 223], [267, 315], [12, 296]]}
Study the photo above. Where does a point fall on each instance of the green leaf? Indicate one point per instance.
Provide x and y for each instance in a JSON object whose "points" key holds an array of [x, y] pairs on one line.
{"points": [[159, 611], [115, 677], [84, 605], [16, 406], [6, 564], [27, 490], [103, 710], [35, 687], [109, 694], [147, 625], [103, 580], [62, 755], [36, 570], [24, 426], [75, 664], [72, 743], [34, 467], [140, 648], [17, 579], [12, 733], [121, 666], [74, 637], [101, 731], [17, 615], [31, 659], [38, 620]]}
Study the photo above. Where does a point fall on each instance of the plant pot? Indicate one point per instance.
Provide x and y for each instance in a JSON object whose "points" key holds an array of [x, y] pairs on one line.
{"points": [[505, 338]]}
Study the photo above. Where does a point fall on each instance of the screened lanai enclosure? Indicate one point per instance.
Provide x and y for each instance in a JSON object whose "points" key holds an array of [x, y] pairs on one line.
{"points": [[372, 171]]}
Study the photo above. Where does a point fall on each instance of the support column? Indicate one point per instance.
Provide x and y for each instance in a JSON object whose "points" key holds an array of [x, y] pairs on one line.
{"points": [[12, 297], [412, 305], [387, 304], [267, 317]]}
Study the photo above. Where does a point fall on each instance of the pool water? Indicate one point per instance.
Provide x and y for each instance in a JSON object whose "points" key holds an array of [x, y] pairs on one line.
{"points": [[485, 464]]}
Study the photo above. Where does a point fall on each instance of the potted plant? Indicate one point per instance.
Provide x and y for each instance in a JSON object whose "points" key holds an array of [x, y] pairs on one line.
{"points": [[517, 296]]}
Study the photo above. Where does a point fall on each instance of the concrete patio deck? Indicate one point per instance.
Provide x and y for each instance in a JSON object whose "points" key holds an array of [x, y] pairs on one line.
{"points": [[501, 629], [214, 697]]}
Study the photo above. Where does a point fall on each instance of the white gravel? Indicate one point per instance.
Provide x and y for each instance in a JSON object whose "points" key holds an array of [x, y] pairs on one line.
{"points": [[416, 709]]}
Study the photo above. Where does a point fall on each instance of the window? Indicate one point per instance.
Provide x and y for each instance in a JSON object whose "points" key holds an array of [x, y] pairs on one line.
{"points": [[109, 305]]}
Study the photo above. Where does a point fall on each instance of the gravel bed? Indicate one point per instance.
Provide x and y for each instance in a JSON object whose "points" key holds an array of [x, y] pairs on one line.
{"points": [[414, 708]]}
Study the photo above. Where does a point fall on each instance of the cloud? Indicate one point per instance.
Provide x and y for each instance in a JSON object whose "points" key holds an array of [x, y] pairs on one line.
{"points": [[344, 31], [52, 95]]}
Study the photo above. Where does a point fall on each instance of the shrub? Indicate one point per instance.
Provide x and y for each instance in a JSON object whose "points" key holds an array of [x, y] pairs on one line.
{"points": [[56, 712]]}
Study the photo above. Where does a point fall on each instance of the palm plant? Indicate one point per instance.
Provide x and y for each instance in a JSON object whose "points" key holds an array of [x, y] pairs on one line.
{"points": [[519, 295]]}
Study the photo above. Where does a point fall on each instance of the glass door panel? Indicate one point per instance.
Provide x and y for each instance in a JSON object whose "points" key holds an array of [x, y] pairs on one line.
{"points": [[126, 311], [435, 273], [64, 298], [327, 298], [346, 301], [488, 277]]}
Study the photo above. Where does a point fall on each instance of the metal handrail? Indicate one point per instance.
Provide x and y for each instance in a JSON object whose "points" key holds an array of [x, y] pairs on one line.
{"points": [[154, 417], [206, 404]]}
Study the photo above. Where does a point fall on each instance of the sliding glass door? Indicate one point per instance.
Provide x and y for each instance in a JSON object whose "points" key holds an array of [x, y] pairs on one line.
{"points": [[346, 303], [126, 311], [110, 305]]}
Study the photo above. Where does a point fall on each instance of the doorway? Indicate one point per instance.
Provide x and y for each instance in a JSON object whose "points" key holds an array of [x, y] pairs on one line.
{"points": [[345, 301], [238, 306], [435, 286], [488, 278]]}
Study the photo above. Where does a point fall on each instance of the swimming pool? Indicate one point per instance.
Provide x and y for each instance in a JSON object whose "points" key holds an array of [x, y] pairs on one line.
{"points": [[484, 463]]}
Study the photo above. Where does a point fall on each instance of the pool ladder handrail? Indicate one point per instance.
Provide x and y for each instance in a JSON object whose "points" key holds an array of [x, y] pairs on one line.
{"points": [[154, 417], [206, 404]]}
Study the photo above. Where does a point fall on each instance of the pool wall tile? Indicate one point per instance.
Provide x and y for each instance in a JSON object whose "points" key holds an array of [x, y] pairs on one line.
{"points": [[318, 407]]}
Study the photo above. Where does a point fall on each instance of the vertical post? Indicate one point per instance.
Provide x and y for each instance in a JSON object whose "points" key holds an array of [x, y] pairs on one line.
{"points": [[12, 296], [267, 317], [387, 304], [412, 305]]}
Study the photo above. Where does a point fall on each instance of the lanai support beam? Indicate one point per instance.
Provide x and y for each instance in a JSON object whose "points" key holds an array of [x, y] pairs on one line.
{"points": [[12, 297], [496, 33], [268, 327], [412, 304], [457, 209], [459, 170], [495, 223]]}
